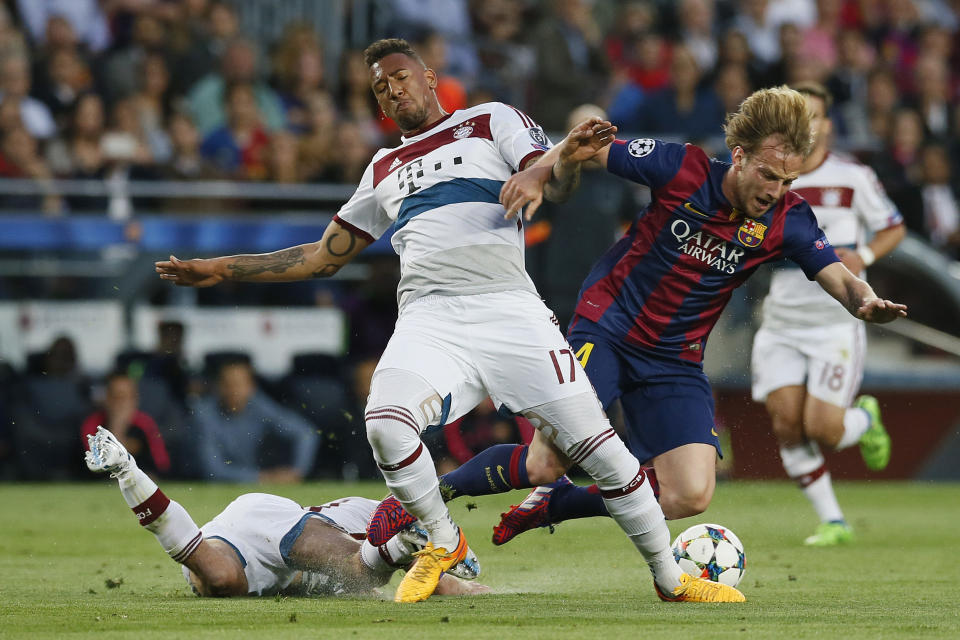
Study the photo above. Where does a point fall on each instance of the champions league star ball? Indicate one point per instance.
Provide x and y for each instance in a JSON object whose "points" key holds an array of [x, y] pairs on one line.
{"points": [[710, 551]]}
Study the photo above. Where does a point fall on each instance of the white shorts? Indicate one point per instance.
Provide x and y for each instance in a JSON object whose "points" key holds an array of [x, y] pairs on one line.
{"points": [[506, 345], [828, 360], [262, 529]]}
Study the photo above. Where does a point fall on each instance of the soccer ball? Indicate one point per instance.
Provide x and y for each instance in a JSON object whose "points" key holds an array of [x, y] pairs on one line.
{"points": [[710, 551]]}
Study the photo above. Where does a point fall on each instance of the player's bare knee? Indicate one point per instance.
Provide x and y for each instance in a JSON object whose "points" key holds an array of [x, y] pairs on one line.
{"points": [[683, 504]]}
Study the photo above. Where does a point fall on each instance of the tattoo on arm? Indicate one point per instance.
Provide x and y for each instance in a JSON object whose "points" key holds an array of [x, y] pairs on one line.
{"points": [[325, 271], [278, 262], [339, 253]]}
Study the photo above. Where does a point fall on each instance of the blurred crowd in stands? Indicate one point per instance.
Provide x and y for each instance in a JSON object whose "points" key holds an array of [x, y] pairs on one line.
{"points": [[176, 90]]}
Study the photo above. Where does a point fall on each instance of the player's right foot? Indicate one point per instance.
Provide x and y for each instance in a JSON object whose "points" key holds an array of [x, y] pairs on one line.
{"points": [[830, 534], [106, 454], [415, 538], [700, 590], [389, 519], [875, 442], [533, 512], [431, 562]]}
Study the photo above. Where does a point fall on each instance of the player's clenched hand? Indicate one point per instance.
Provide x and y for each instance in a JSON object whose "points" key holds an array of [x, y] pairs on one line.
{"points": [[880, 311], [189, 273], [524, 189], [586, 139]]}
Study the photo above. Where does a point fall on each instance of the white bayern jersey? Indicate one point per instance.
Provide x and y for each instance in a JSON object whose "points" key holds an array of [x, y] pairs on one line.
{"points": [[849, 202], [441, 189]]}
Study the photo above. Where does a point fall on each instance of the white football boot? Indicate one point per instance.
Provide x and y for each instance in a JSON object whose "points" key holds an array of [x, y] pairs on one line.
{"points": [[106, 454]]}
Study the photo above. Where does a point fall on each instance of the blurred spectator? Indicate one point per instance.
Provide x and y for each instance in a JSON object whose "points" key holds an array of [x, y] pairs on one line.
{"points": [[240, 425], [124, 69], [239, 148], [734, 50], [571, 67], [15, 83], [54, 401], [298, 67], [11, 40], [762, 33], [866, 124], [152, 101], [282, 160], [898, 165], [635, 51], [85, 16], [732, 86], [450, 91], [238, 65], [855, 58], [186, 162], [19, 159], [941, 212], [684, 107], [354, 152], [202, 33], [697, 19], [318, 144], [65, 77], [356, 101], [78, 153], [449, 18], [135, 429], [128, 144], [506, 63], [932, 81]]}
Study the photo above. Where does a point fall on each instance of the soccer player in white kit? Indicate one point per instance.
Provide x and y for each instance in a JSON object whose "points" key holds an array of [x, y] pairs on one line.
{"points": [[809, 352], [263, 544], [471, 323]]}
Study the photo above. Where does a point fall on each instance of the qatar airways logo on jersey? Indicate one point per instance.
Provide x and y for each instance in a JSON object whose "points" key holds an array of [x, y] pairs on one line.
{"points": [[716, 252]]}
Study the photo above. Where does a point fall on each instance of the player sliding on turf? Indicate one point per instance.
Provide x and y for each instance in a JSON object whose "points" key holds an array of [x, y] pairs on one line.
{"points": [[646, 309], [263, 544]]}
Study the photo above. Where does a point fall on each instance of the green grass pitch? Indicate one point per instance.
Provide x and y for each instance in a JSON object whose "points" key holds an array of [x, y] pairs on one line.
{"points": [[60, 546]]}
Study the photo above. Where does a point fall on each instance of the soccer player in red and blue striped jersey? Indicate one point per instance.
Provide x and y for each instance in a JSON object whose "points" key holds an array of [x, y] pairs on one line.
{"points": [[649, 304]]}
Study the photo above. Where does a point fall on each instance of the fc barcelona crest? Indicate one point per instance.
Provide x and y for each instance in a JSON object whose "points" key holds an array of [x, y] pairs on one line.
{"points": [[750, 233]]}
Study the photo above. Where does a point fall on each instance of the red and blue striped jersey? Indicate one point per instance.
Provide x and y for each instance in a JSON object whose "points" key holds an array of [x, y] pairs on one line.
{"points": [[663, 285]]}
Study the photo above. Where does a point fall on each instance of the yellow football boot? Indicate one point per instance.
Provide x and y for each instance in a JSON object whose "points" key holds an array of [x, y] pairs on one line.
{"points": [[700, 590], [422, 578]]}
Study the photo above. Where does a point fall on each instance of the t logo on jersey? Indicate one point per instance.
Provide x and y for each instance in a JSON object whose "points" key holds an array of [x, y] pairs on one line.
{"points": [[750, 233]]}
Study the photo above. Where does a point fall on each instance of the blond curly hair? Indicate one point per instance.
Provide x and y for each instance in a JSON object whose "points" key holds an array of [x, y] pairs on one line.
{"points": [[777, 111]]}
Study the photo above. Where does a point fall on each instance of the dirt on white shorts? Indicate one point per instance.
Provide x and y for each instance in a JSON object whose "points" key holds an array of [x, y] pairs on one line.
{"points": [[827, 360], [262, 528]]}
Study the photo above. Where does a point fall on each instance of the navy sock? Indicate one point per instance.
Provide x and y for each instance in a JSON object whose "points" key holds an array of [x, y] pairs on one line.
{"points": [[497, 469], [568, 501]]}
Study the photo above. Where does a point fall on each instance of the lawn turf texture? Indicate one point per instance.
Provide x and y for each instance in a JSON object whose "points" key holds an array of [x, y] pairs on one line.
{"points": [[60, 546]]}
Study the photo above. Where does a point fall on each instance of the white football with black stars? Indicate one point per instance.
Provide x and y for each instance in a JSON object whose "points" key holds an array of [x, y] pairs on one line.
{"points": [[710, 551]]}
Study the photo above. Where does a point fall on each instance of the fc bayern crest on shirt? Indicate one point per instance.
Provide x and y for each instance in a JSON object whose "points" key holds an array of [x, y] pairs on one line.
{"points": [[463, 131], [641, 147], [750, 233]]}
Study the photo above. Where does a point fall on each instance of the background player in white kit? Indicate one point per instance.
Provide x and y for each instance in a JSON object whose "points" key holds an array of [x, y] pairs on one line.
{"points": [[262, 544], [809, 353], [471, 323]]}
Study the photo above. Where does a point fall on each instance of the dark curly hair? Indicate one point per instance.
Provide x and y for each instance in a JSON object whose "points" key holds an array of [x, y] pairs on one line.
{"points": [[382, 48]]}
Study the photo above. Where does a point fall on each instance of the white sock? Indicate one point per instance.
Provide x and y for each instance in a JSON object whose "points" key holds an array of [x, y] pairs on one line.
{"points": [[806, 464], [166, 519], [855, 424], [388, 557], [820, 493], [630, 501], [416, 487]]}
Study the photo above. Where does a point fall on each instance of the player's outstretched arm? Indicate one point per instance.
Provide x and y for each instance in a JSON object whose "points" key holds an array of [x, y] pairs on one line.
{"points": [[556, 174], [320, 259], [857, 296]]}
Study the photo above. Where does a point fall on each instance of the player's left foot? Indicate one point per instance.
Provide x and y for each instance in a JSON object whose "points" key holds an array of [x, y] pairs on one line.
{"points": [[830, 534], [431, 562], [415, 539], [389, 519], [533, 512], [700, 590], [875, 442], [106, 454]]}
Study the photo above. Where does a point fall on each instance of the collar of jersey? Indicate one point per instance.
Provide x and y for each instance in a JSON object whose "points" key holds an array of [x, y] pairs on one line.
{"points": [[428, 128]]}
